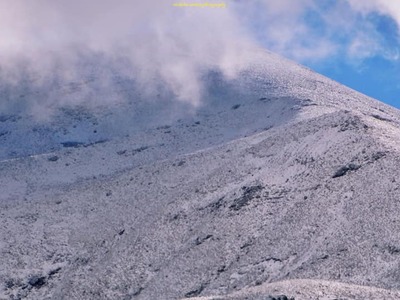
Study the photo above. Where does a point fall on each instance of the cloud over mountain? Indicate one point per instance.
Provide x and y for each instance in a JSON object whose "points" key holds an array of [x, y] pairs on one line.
{"points": [[49, 44]]}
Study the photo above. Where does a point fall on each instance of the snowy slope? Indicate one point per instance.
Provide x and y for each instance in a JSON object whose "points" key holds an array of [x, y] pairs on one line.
{"points": [[304, 289], [281, 174]]}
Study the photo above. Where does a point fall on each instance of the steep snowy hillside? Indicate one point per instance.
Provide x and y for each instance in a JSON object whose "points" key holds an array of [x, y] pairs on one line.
{"points": [[280, 175]]}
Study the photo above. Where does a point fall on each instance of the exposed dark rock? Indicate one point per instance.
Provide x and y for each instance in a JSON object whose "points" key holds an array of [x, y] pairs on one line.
{"points": [[258, 282], [216, 205], [268, 127], [54, 271], [53, 158], [379, 117], [121, 152], [393, 250], [345, 169], [137, 291], [95, 143], [195, 292], [37, 281], [3, 133], [305, 160], [378, 155], [181, 163], [280, 297], [221, 269], [236, 106], [9, 283], [201, 240], [246, 245], [273, 259], [249, 193], [140, 149], [263, 99], [350, 123], [308, 102], [72, 144], [83, 261]]}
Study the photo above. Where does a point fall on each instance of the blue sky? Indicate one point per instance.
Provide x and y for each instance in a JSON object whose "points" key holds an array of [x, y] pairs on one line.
{"points": [[376, 75], [355, 42]]}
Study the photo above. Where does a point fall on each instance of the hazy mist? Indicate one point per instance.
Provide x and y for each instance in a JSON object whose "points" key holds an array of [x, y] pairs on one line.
{"points": [[56, 53]]}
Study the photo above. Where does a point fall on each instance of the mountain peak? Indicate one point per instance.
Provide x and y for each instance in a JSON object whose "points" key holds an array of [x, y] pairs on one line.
{"points": [[281, 180]]}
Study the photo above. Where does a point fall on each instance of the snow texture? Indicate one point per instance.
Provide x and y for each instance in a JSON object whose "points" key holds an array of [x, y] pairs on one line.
{"points": [[282, 183]]}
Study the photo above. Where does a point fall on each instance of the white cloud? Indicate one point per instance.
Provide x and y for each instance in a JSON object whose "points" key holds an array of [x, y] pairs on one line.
{"points": [[388, 7], [151, 38], [370, 42], [343, 28], [49, 40], [363, 46], [280, 26]]}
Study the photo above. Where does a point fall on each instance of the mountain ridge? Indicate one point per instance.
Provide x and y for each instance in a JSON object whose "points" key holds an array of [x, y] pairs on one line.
{"points": [[286, 182]]}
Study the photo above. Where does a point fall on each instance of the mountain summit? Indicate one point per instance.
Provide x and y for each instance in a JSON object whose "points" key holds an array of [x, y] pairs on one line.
{"points": [[282, 182]]}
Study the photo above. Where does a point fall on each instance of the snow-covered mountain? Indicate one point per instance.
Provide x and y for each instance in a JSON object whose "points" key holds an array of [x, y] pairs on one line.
{"points": [[281, 182]]}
